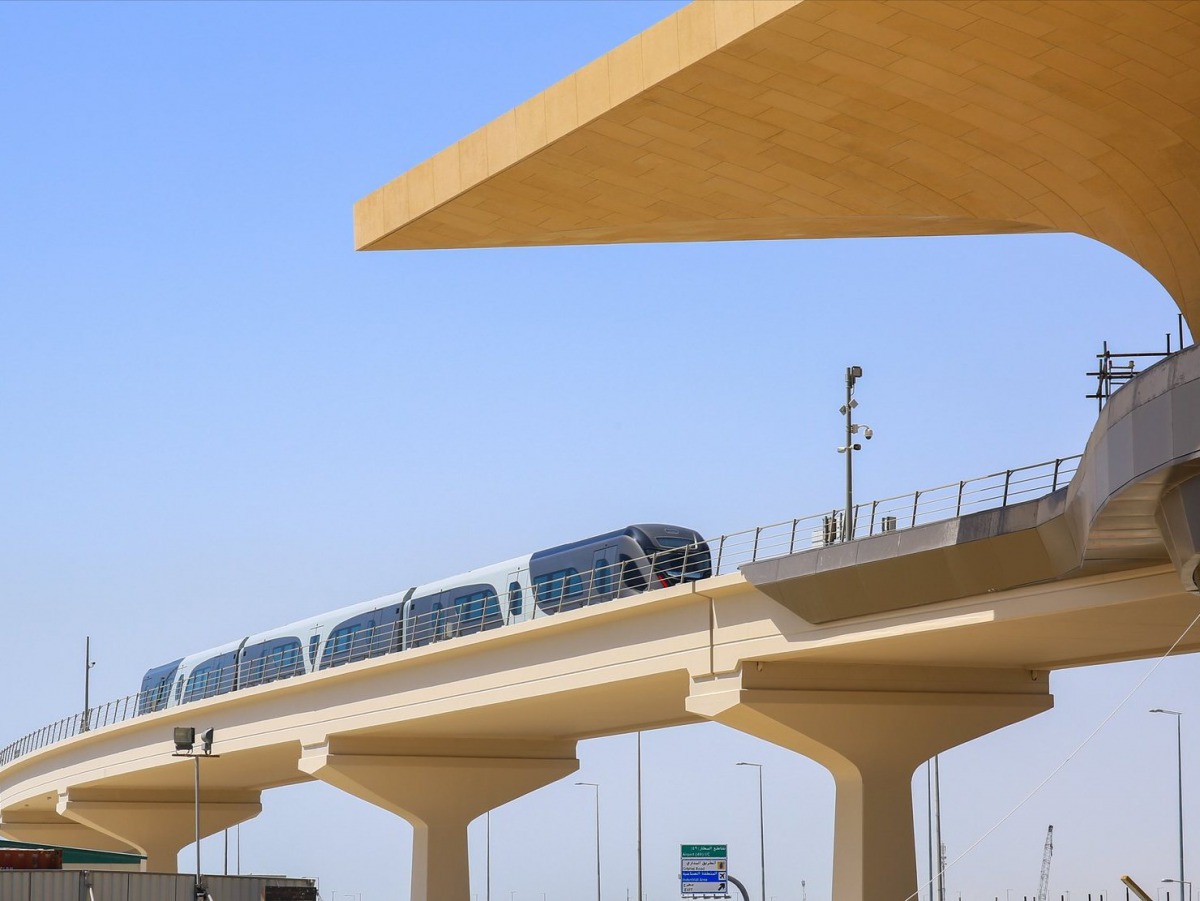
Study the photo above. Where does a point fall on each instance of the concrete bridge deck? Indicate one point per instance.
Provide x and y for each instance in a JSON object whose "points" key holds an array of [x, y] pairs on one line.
{"points": [[809, 651]]}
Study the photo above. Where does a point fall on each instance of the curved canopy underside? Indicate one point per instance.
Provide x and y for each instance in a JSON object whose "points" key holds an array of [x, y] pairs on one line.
{"points": [[757, 119]]}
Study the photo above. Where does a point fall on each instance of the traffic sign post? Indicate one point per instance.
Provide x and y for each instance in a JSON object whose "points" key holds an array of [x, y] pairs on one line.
{"points": [[704, 871]]}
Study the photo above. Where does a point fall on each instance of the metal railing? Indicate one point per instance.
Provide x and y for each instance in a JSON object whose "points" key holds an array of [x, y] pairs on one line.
{"points": [[712, 557], [890, 514]]}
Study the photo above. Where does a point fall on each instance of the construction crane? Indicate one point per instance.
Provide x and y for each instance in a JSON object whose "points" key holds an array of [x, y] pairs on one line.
{"points": [[1044, 881]]}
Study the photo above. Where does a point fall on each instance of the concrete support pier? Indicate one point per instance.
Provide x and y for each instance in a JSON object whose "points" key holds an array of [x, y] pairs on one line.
{"points": [[158, 824], [439, 787], [871, 727]]}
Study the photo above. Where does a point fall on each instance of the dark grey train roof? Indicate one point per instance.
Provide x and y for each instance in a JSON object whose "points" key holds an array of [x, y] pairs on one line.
{"points": [[650, 529]]}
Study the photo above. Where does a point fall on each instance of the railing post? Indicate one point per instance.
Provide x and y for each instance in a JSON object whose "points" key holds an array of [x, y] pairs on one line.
{"points": [[720, 553], [1054, 484], [958, 506], [871, 530], [1007, 477], [916, 499], [792, 543], [754, 551]]}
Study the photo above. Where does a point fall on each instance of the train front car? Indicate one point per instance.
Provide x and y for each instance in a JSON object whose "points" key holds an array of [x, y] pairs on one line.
{"points": [[672, 554], [626, 562], [156, 687]]}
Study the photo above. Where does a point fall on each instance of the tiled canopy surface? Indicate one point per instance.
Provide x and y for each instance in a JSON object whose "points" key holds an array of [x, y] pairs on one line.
{"points": [[752, 119]]}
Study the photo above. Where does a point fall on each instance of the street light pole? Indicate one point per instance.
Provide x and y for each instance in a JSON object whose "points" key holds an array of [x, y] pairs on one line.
{"points": [[639, 816], [853, 374], [596, 787], [1179, 765], [185, 746], [762, 843], [196, 760], [88, 663]]}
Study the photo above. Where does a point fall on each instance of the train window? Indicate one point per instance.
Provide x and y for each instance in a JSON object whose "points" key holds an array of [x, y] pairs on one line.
{"points": [[339, 641], [284, 661], [204, 683], [255, 676], [514, 598], [631, 575], [344, 642], [157, 698], [471, 606], [603, 577], [548, 589], [574, 587]]}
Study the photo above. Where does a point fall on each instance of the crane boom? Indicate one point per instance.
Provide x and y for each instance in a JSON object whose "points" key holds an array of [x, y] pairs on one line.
{"points": [[1044, 881]]}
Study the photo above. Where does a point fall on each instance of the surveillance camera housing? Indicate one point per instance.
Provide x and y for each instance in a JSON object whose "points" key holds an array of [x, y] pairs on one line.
{"points": [[869, 434]]}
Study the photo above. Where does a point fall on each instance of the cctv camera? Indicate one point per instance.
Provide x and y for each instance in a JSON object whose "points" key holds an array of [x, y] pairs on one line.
{"points": [[868, 433]]}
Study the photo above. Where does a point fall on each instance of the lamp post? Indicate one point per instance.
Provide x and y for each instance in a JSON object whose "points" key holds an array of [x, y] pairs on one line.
{"points": [[1179, 766], [639, 817], [762, 844], [88, 663], [853, 374], [596, 787], [185, 746]]}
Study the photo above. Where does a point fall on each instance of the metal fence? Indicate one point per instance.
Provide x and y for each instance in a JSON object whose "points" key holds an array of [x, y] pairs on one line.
{"points": [[712, 557], [103, 885]]}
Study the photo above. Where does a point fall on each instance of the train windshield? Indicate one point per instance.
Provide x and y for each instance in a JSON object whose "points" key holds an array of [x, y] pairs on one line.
{"points": [[681, 560]]}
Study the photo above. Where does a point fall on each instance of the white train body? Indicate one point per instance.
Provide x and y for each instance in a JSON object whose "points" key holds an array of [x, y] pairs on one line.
{"points": [[615, 564]]}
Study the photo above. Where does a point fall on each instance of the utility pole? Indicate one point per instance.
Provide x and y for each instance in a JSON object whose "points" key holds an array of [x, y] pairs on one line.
{"points": [[88, 663]]}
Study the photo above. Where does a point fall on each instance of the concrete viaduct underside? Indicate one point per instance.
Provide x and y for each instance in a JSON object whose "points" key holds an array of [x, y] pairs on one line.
{"points": [[752, 119]]}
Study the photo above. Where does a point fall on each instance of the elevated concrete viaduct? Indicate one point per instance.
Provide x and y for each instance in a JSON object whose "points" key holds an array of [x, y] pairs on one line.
{"points": [[740, 119], [808, 651]]}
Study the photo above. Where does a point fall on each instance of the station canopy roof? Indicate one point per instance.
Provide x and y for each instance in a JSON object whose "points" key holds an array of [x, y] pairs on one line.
{"points": [[754, 119]]}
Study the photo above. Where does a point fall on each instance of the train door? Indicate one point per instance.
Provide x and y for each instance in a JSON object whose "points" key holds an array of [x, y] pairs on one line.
{"points": [[516, 594], [604, 575]]}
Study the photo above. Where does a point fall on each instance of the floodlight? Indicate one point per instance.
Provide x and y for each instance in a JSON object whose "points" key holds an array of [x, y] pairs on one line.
{"points": [[185, 738]]}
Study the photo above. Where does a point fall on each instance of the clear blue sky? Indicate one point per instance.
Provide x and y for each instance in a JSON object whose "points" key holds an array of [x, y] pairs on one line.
{"points": [[217, 417]]}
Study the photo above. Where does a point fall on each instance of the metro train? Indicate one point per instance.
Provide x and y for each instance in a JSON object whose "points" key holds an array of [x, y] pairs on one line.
{"points": [[622, 563]]}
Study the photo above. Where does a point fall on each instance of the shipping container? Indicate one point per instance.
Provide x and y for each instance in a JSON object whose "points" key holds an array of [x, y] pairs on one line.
{"points": [[31, 858]]}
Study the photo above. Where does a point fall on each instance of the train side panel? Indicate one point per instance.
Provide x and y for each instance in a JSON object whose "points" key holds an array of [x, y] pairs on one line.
{"points": [[474, 601]]}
